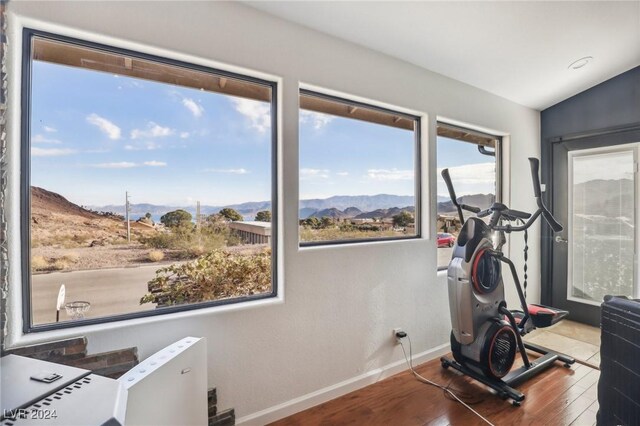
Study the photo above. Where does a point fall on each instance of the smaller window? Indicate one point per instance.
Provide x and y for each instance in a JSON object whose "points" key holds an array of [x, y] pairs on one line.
{"points": [[359, 172], [473, 160]]}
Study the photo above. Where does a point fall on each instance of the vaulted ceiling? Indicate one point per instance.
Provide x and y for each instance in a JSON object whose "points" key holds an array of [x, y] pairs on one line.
{"points": [[519, 50]]}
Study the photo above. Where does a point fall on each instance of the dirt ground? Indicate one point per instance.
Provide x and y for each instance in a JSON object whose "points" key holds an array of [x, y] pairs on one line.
{"points": [[81, 258], [117, 256]]}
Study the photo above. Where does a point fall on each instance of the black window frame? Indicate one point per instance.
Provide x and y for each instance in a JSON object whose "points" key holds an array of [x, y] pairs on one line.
{"points": [[417, 167], [25, 182], [498, 156]]}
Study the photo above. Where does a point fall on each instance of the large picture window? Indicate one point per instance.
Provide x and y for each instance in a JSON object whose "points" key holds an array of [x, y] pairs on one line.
{"points": [[359, 172], [473, 160], [148, 184]]}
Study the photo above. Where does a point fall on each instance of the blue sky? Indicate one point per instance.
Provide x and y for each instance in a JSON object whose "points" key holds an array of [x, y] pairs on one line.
{"points": [[96, 135], [470, 171], [341, 156]]}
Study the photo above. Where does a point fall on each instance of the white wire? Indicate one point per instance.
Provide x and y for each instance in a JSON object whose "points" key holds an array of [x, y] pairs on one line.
{"points": [[429, 382]]}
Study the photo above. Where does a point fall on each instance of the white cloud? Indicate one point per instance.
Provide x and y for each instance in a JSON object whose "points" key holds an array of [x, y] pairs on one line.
{"points": [[390, 174], [316, 119], [342, 173], [146, 146], [51, 152], [230, 171], [307, 173], [129, 165], [50, 129], [258, 113], [184, 135], [470, 179], [153, 131], [154, 163], [41, 139], [193, 107], [105, 126], [120, 165]]}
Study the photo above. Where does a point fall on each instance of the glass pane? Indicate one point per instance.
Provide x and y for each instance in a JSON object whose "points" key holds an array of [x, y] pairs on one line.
{"points": [[603, 220], [150, 184], [357, 172], [474, 178]]}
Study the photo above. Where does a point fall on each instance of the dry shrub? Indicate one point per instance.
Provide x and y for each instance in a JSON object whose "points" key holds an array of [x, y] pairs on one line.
{"points": [[39, 263], [216, 275], [59, 264], [71, 257], [155, 255], [196, 251]]}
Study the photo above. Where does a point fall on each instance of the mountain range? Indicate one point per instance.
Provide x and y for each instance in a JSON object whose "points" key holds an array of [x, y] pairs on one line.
{"points": [[362, 203], [338, 206], [607, 198]]}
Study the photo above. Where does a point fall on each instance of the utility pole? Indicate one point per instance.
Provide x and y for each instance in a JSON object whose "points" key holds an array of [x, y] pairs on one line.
{"points": [[198, 221], [127, 209]]}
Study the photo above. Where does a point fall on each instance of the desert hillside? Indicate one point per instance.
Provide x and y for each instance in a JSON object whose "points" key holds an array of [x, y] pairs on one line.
{"points": [[65, 236], [56, 221], [44, 202]]}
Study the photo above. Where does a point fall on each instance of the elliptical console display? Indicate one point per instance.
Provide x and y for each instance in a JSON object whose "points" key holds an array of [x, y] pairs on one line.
{"points": [[485, 335]]}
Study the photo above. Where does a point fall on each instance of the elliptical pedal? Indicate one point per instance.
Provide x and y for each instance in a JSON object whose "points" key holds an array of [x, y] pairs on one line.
{"points": [[546, 316]]}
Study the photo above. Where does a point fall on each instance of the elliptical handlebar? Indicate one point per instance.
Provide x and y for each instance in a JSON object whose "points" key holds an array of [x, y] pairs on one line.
{"points": [[454, 199], [534, 164], [470, 208], [537, 192]]}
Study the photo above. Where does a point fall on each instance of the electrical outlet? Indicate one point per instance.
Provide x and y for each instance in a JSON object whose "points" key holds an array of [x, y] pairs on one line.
{"points": [[395, 332]]}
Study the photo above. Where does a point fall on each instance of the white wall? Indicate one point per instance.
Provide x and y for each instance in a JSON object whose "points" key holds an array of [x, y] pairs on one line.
{"points": [[340, 303]]}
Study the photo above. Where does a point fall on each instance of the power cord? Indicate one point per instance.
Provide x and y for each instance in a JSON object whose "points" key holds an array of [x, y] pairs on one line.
{"points": [[445, 389], [465, 396]]}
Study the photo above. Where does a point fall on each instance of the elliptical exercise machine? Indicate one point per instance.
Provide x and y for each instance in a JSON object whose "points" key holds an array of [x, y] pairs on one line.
{"points": [[485, 335]]}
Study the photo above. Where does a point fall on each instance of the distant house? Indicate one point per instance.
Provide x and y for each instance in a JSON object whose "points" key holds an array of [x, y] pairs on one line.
{"points": [[361, 221], [252, 232], [448, 223], [385, 224]]}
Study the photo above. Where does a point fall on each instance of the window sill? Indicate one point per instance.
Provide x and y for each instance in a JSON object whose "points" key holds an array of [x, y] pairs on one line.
{"points": [[51, 335], [324, 245]]}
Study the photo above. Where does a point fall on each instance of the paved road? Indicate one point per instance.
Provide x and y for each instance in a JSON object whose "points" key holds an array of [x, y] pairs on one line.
{"points": [[110, 291]]}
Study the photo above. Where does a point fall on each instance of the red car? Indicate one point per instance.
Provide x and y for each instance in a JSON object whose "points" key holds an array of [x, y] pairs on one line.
{"points": [[446, 240]]}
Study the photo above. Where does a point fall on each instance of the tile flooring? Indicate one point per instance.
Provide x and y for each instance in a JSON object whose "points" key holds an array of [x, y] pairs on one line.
{"points": [[572, 338]]}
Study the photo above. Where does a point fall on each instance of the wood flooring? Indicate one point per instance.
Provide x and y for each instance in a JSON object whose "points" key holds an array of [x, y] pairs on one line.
{"points": [[558, 396]]}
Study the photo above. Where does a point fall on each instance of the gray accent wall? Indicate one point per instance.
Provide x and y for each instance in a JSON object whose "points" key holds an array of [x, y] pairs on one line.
{"points": [[614, 103]]}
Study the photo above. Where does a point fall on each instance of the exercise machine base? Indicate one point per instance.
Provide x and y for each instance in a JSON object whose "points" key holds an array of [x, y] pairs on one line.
{"points": [[505, 387]]}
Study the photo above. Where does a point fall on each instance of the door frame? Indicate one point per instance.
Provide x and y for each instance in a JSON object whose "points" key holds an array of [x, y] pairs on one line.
{"points": [[614, 136]]}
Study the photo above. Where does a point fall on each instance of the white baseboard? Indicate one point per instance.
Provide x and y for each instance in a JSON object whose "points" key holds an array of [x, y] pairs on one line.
{"points": [[312, 399]]}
